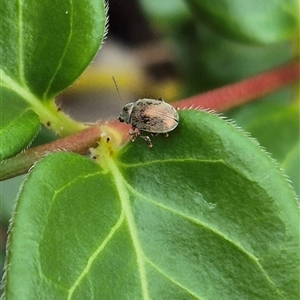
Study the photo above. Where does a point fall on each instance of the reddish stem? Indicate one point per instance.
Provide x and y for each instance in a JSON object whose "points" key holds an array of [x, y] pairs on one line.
{"points": [[243, 91], [78, 143], [219, 99]]}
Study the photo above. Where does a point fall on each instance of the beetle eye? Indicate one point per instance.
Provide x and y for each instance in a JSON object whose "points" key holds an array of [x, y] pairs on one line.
{"points": [[121, 120]]}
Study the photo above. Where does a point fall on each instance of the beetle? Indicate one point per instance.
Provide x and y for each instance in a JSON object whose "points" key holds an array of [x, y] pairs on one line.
{"points": [[154, 116]]}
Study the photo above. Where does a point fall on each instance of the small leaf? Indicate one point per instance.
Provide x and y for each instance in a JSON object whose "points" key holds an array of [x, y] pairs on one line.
{"points": [[18, 124], [258, 21], [204, 214], [44, 47], [47, 44]]}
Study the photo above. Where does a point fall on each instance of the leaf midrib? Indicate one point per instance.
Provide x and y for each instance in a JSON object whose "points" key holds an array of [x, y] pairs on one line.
{"points": [[20, 44], [125, 202], [63, 54], [21, 48]]}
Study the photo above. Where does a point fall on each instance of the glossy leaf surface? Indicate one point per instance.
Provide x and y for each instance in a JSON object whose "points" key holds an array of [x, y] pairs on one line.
{"points": [[204, 214], [258, 21], [18, 124], [44, 47], [47, 45]]}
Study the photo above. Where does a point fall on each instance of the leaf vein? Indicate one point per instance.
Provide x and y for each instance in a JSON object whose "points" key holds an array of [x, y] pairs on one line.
{"points": [[159, 270], [79, 178], [124, 197], [94, 255], [187, 159], [12, 121], [214, 230], [64, 52], [20, 42]]}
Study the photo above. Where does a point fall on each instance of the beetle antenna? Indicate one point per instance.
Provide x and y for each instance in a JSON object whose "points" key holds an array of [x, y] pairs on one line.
{"points": [[115, 82]]}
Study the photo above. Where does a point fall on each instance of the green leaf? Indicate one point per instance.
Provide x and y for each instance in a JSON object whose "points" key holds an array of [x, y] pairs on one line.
{"points": [[258, 21], [291, 165], [276, 126], [44, 47], [18, 124], [204, 214]]}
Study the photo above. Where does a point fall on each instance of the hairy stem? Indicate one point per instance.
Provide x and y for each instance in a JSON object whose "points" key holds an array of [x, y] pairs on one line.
{"points": [[219, 99]]}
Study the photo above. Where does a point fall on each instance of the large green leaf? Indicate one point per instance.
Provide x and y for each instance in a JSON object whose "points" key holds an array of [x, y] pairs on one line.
{"points": [[44, 47], [204, 214], [259, 21]]}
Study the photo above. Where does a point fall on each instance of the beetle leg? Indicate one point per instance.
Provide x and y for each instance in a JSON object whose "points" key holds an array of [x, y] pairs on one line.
{"points": [[166, 134], [133, 136], [154, 134], [147, 139], [134, 133]]}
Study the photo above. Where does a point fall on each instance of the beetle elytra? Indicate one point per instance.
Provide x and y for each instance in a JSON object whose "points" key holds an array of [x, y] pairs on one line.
{"points": [[149, 115]]}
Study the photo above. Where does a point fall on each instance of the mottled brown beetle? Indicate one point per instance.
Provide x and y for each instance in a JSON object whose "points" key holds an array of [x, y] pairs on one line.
{"points": [[154, 116]]}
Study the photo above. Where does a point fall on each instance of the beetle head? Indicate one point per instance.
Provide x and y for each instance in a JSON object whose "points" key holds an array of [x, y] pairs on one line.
{"points": [[126, 113]]}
